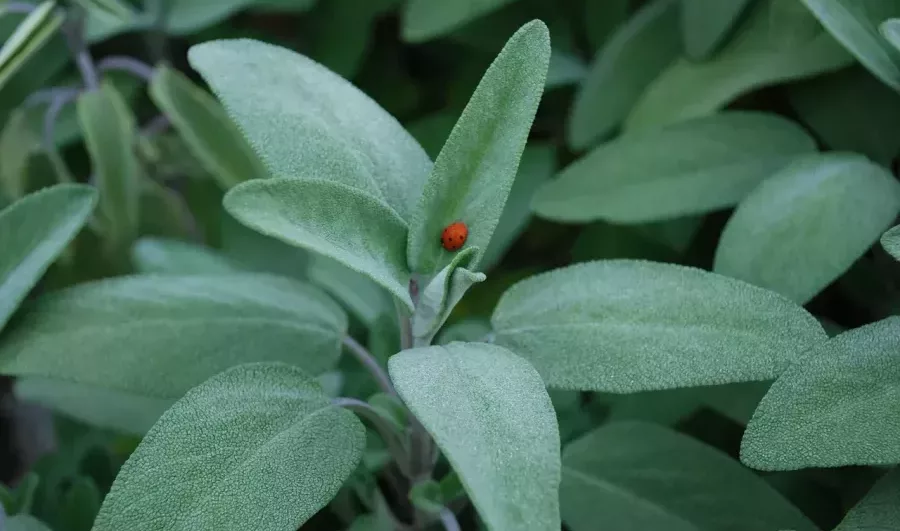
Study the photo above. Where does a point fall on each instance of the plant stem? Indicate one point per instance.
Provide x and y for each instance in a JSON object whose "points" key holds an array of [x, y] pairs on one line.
{"points": [[391, 437], [449, 520], [73, 29], [370, 363], [131, 65], [48, 95]]}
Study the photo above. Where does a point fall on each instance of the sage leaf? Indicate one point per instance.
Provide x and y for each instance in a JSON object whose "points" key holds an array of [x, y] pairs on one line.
{"points": [[309, 122], [442, 293], [706, 23], [336, 220], [835, 407], [624, 326], [28, 38], [474, 172], [206, 129], [693, 167], [804, 227], [489, 413], [890, 240], [426, 19], [96, 406], [536, 167], [878, 509], [854, 23], [851, 110], [778, 42], [117, 333], [631, 59], [258, 446], [80, 504], [631, 475], [110, 133], [23, 522], [161, 255], [33, 232]]}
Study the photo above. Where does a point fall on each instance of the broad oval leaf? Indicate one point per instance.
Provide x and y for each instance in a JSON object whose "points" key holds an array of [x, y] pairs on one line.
{"points": [[426, 19], [683, 169], [636, 476], [778, 42], [161, 255], [890, 240], [257, 447], [309, 122], [855, 24], [890, 29], [804, 227], [878, 509], [488, 411], [333, 219], [28, 38], [110, 135], [118, 333], [706, 23], [474, 172], [851, 110], [630, 60], [205, 128], [835, 407], [33, 232], [624, 326]]}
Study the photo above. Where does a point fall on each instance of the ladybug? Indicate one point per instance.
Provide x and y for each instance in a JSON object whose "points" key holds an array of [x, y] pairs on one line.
{"points": [[454, 236]]}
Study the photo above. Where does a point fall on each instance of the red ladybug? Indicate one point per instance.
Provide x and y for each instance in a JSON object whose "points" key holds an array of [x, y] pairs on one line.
{"points": [[454, 236]]}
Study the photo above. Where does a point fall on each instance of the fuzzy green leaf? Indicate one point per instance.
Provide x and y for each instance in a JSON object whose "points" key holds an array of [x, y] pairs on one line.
{"points": [[110, 134], [683, 169], [473, 174], [311, 123], [80, 504], [890, 240], [439, 297], [878, 509], [96, 406], [804, 227], [488, 411], [118, 333], [160, 255], [256, 447], [536, 167], [33, 232], [855, 24], [779, 41], [851, 110], [706, 23], [336, 220], [836, 407], [205, 128], [630, 60], [426, 19], [635, 476], [30, 36], [624, 326]]}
